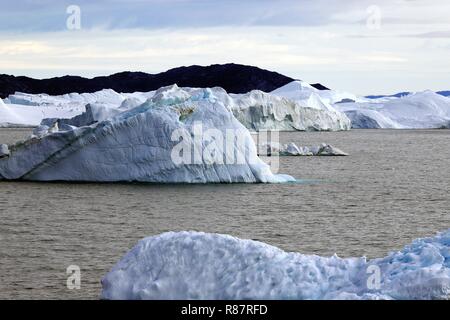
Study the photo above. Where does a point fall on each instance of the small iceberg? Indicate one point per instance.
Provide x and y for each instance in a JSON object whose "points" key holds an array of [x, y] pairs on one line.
{"points": [[195, 265], [291, 149]]}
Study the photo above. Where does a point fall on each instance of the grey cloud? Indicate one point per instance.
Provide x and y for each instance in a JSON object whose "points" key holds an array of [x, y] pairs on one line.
{"points": [[46, 15]]}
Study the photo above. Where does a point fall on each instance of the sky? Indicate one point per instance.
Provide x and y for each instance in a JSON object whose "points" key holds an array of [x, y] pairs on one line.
{"points": [[364, 47]]}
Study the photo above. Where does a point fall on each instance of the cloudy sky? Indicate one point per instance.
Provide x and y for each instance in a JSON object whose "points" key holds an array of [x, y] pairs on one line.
{"points": [[377, 46]]}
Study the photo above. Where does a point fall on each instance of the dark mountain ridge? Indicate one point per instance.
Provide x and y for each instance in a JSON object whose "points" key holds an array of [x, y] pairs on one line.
{"points": [[234, 78]]}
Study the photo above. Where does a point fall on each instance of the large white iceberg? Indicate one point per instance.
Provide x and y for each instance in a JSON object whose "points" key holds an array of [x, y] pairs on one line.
{"points": [[143, 144], [193, 265], [419, 110]]}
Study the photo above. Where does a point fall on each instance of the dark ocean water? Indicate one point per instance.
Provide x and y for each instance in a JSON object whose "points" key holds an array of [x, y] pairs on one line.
{"points": [[394, 187]]}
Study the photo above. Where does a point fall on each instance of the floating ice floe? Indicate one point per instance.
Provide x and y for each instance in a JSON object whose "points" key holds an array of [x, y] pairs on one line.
{"points": [[171, 138], [194, 265], [291, 149], [420, 110]]}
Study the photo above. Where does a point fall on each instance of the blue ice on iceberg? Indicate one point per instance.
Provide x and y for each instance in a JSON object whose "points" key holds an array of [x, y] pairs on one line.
{"points": [[195, 265]]}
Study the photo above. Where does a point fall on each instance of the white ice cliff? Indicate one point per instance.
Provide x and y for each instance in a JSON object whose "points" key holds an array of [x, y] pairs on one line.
{"points": [[321, 101], [262, 111], [192, 265], [173, 137]]}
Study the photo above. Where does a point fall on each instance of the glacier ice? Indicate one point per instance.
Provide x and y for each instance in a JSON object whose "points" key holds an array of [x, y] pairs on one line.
{"points": [[195, 265], [137, 145]]}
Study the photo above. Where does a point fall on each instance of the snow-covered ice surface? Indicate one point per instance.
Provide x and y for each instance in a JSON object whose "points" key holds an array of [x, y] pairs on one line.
{"points": [[23, 109], [137, 145], [13, 115], [299, 91], [420, 110], [71, 99], [193, 265]]}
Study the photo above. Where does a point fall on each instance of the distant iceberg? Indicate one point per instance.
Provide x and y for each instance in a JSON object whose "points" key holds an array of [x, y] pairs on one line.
{"points": [[142, 144], [300, 91], [23, 109], [262, 111], [421, 110], [31, 112], [321, 101], [194, 265], [66, 100]]}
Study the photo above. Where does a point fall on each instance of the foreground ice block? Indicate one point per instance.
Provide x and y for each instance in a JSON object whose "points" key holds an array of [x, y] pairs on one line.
{"points": [[192, 265], [143, 144]]}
